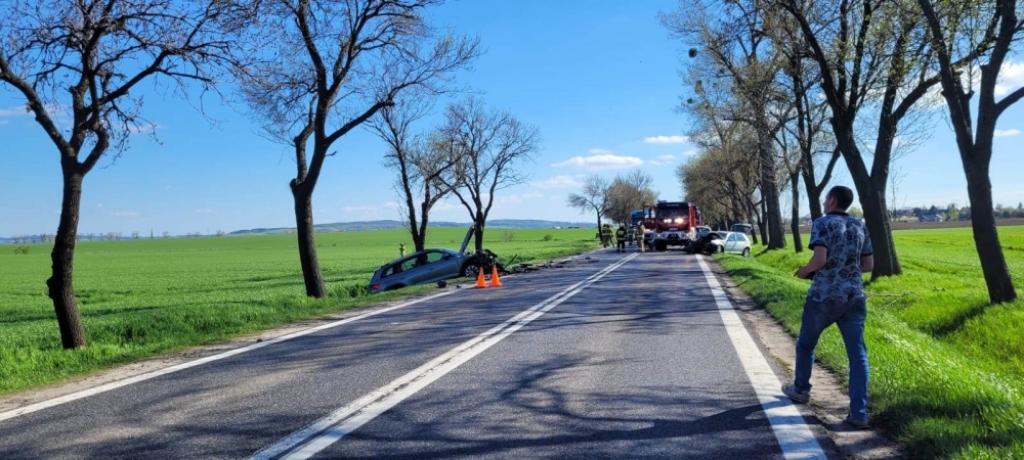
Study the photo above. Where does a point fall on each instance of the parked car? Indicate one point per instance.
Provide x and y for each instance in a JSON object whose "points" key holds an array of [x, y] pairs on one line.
{"points": [[425, 267], [732, 243]]}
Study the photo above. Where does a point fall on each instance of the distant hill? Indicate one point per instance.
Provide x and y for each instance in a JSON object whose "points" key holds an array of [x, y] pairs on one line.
{"points": [[394, 224]]}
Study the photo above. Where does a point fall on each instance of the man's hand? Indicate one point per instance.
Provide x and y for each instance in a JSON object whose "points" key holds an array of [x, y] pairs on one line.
{"points": [[803, 273]]}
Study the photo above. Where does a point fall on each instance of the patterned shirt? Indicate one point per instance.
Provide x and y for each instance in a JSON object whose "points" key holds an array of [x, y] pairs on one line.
{"points": [[846, 239]]}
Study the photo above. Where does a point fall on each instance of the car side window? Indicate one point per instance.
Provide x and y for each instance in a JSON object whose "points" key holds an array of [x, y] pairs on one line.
{"points": [[433, 257], [733, 238]]}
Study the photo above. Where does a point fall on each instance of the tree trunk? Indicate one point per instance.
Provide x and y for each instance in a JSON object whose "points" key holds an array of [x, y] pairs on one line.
{"points": [[873, 200], [311, 275], [478, 234], [986, 237], [761, 223], [798, 244], [813, 198], [60, 284], [770, 197]]}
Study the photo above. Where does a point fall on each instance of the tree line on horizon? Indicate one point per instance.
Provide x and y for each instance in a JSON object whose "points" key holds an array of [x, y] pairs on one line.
{"points": [[309, 71], [779, 91]]}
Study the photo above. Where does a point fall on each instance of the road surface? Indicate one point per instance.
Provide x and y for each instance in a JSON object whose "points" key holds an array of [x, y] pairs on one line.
{"points": [[618, 356]]}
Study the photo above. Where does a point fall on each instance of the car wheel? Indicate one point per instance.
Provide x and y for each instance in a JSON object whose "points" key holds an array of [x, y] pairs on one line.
{"points": [[470, 269], [746, 252]]}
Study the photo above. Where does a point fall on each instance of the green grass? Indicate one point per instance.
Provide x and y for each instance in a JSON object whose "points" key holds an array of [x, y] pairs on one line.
{"points": [[947, 368], [141, 298]]}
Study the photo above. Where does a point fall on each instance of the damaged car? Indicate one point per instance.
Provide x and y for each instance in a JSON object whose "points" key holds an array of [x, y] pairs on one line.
{"points": [[432, 266]]}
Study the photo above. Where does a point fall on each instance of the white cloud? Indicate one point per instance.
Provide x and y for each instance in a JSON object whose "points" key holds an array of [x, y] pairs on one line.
{"points": [[13, 111], [601, 160], [667, 140], [669, 157], [99, 205], [517, 199], [4, 122], [124, 214], [1011, 77], [206, 211], [1006, 132], [563, 181], [391, 204], [689, 153]]}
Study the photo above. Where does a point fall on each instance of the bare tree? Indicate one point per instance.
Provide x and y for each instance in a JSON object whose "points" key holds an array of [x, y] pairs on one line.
{"points": [[490, 146], [952, 38], [83, 59], [419, 161], [322, 68], [593, 198], [165, 235], [630, 192], [135, 235]]}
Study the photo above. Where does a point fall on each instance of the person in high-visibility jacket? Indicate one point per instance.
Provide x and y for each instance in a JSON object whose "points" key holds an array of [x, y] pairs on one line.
{"points": [[620, 239], [640, 237], [606, 235]]}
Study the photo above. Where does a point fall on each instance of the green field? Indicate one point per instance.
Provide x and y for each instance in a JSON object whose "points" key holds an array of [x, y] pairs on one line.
{"points": [[947, 369], [140, 298]]}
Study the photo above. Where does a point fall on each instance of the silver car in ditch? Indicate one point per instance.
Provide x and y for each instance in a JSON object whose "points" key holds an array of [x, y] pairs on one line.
{"points": [[425, 267]]}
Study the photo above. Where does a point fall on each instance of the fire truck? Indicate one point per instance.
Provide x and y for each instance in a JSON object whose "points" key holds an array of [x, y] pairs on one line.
{"points": [[671, 223]]}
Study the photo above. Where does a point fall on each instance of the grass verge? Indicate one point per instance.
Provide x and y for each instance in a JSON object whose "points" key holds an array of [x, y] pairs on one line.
{"points": [[946, 368], [147, 297]]}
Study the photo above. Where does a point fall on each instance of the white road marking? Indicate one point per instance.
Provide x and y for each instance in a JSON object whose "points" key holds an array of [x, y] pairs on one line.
{"points": [[793, 434], [315, 438], [227, 354]]}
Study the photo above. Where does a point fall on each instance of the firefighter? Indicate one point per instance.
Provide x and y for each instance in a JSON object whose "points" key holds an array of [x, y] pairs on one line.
{"points": [[640, 237], [620, 238], [606, 235]]}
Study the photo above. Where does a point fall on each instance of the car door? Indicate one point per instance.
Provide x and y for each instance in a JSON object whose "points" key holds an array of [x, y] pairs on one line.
{"points": [[440, 266], [730, 243]]}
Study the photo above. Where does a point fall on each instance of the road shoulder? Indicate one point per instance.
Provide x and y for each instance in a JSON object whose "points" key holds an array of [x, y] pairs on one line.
{"points": [[830, 402]]}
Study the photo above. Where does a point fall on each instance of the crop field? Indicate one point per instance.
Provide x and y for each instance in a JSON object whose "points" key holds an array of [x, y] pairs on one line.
{"points": [[947, 369], [140, 298]]}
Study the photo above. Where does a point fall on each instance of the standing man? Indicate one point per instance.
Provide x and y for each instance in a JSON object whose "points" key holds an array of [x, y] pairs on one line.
{"points": [[640, 230], [842, 253], [620, 238]]}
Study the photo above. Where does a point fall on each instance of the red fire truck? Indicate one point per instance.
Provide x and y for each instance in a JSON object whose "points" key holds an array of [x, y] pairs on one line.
{"points": [[671, 223]]}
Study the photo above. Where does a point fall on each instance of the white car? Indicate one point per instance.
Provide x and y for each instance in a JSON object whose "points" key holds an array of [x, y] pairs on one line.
{"points": [[733, 243]]}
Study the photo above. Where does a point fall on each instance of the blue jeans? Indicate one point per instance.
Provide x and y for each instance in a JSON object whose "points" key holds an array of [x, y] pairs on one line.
{"points": [[849, 317]]}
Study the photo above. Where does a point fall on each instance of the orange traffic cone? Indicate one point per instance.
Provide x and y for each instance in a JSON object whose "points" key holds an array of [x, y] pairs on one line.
{"points": [[480, 282], [495, 281]]}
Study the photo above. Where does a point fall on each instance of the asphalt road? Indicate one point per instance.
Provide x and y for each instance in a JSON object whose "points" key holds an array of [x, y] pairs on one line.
{"points": [[615, 357]]}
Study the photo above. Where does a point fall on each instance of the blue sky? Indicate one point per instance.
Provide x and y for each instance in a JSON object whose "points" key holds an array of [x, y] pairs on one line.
{"points": [[598, 79]]}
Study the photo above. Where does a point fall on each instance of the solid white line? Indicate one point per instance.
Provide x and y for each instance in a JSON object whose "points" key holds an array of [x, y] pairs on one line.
{"points": [[315, 438], [792, 433], [227, 354]]}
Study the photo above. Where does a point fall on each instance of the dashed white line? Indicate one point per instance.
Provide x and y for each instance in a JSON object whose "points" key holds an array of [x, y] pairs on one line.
{"points": [[792, 433], [315, 438]]}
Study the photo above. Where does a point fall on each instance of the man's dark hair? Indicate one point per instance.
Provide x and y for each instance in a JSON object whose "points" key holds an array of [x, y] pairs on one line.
{"points": [[842, 195]]}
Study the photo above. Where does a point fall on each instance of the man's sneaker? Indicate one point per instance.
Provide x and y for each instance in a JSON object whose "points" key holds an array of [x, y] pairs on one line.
{"points": [[859, 424], [797, 396]]}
